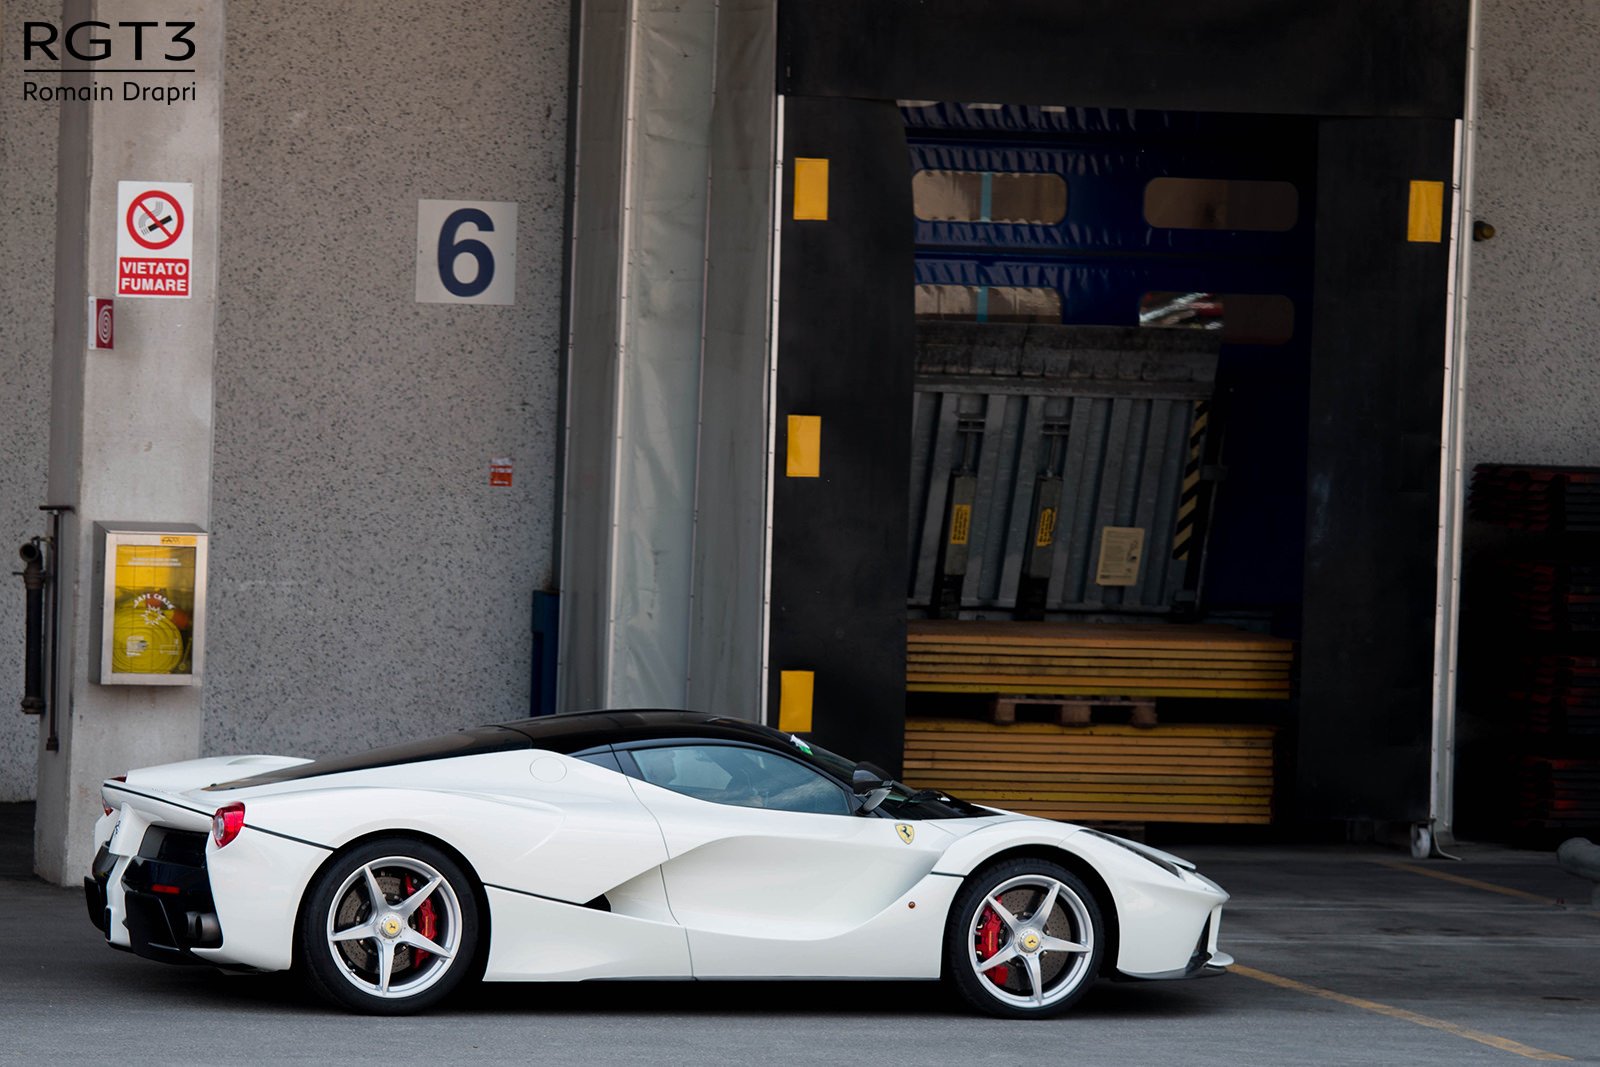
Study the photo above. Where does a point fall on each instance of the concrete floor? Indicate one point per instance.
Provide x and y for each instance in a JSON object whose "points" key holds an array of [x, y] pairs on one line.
{"points": [[1347, 956]]}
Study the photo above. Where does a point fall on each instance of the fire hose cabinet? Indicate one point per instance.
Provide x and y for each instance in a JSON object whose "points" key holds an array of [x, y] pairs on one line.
{"points": [[151, 622]]}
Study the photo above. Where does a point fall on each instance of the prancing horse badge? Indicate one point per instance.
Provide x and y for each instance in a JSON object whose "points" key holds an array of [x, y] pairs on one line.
{"points": [[906, 831]]}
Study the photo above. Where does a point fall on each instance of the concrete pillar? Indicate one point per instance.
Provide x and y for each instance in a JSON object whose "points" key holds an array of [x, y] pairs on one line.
{"points": [[130, 428]]}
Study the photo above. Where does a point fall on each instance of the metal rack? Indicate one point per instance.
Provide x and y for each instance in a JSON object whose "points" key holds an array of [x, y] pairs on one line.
{"points": [[1029, 440]]}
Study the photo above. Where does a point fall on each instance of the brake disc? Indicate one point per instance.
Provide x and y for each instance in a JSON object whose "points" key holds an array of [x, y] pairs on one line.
{"points": [[354, 910]]}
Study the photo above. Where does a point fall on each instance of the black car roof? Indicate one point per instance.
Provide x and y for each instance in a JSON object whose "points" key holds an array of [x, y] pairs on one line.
{"points": [[576, 731], [566, 733]]}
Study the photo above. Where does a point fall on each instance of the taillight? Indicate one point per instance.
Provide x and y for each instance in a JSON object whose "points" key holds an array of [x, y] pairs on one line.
{"points": [[103, 804], [226, 823]]}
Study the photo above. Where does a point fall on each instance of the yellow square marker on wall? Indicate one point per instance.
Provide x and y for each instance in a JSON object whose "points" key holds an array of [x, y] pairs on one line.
{"points": [[811, 190], [794, 701], [804, 459], [1425, 222]]}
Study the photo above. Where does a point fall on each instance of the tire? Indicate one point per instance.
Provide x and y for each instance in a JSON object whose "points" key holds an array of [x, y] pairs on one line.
{"points": [[1018, 960], [426, 930]]}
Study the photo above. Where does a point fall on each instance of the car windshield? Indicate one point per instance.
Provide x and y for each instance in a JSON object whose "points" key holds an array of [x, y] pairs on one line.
{"points": [[903, 802]]}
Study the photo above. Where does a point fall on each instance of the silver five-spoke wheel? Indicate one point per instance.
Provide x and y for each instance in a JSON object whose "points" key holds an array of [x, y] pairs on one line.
{"points": [[1024, 939], [389, 927], [394, 926]]}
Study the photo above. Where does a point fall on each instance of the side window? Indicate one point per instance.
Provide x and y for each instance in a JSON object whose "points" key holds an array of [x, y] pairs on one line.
{"points": [[743, 777], [1243, 318], [988, 303], [988, 196], [600, 757], [1217, 204]]}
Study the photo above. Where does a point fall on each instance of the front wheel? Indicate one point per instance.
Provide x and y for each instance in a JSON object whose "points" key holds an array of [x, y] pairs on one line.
{"points": [[388, 928], [1024, 939]]}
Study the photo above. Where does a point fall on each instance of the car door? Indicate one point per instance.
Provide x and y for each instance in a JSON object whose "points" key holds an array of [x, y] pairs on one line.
{"points": [[772, 873], [570, 861]]}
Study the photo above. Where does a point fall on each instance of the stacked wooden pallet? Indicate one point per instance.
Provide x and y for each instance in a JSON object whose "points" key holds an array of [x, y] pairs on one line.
{"points": [[1047, 659], [1194, 774], [1535, 625], [1554, 794]]}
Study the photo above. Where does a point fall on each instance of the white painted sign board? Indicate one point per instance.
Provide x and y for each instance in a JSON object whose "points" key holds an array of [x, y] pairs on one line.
{"points": [[466, 252], [155, 239]]}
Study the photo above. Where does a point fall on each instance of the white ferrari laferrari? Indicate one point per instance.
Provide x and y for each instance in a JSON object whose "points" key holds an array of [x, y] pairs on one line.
{"points": [[626, 844]]}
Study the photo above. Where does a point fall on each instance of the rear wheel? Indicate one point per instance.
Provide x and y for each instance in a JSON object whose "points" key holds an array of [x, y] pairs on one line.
{"points": [[1024, 939], [389, 927]]}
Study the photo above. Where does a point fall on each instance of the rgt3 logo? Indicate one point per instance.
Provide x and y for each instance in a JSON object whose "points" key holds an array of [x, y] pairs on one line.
{"points": [[43, 41]]}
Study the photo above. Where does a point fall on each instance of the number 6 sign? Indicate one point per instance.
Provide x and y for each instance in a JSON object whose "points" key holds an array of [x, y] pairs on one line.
{"points": [[466, 252]]}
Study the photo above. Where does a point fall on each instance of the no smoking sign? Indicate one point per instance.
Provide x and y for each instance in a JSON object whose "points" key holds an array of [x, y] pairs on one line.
{"points": [[154, 239]]}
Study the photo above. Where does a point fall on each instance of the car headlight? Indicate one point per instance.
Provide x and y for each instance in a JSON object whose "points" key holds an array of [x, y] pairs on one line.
{"points": [[1166, 865]]}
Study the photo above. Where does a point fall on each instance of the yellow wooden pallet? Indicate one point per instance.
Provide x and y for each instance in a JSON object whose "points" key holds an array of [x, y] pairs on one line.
{"points": [[1113, 660], [1204, 638], [1181, 773], [1111, 813], [942, 651], [1105, 776], [1103, 687], [1098, 670], [1155, 748]]}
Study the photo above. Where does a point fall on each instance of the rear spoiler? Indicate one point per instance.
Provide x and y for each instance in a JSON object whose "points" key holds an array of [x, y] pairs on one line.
{"points": [[165, 793], [168, 809]]}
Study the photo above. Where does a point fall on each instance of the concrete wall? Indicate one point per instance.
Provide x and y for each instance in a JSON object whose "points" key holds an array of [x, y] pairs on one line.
{"points": [[365, 577], [27, 286], [1533, 371], [367, 582]]}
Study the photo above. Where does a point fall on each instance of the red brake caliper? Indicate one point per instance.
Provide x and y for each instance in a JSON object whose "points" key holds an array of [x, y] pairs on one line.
{"points": [[989, 943], [427, 924]]}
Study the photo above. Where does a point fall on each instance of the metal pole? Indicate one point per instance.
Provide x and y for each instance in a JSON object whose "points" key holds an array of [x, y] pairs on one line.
{"points": [[33, 627], [1440, 830], [52, 627]]}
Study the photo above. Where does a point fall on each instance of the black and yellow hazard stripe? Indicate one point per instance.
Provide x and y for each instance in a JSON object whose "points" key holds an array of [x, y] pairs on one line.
{"points": [[1189, 499]]}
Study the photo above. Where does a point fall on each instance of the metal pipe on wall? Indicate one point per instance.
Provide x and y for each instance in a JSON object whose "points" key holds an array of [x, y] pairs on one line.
{"points": [[40, 578], [33, 581], [52, 624], [1452, 481], [1430, 839]]}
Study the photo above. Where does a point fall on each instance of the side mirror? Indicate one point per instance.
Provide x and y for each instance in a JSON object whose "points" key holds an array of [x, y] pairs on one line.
{"points": [[867, 778], [871, 784], [870, 802]]}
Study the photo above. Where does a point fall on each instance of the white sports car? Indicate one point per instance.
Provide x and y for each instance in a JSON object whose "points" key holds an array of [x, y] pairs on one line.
{"points": [[626, 844]]}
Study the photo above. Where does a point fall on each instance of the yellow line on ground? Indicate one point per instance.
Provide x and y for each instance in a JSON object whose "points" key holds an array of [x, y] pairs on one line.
{"points": [[1457, 879], [1473, 883], [1505, 1044]]}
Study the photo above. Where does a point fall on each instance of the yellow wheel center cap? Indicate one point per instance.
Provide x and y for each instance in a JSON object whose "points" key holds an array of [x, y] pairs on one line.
{"points": [[1030, 943], [390, 926]]}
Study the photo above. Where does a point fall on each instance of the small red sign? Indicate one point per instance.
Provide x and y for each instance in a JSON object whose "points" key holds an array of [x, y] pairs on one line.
{"points": [[500, 470], [101, 333]]}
